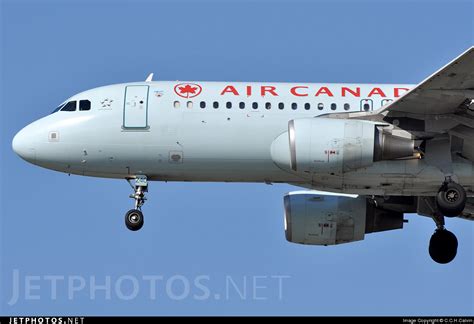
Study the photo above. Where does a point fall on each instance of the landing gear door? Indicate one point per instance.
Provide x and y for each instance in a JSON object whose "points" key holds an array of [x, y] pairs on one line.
{"points": [[135, 109]]}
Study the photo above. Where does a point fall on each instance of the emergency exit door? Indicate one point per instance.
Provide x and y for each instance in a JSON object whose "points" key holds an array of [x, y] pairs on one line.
{"points": [[135, 109]]}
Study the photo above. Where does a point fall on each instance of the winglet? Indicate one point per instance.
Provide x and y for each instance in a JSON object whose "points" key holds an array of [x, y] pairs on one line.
{"points": [[149, 77]]}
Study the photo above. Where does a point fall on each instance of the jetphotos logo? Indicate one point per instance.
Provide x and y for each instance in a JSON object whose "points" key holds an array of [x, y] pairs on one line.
{"points": [[187, 90]]}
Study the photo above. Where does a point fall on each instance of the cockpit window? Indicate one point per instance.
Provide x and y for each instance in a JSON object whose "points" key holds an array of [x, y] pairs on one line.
{"points": [[84, 105], [57, 109], [70, 106]]}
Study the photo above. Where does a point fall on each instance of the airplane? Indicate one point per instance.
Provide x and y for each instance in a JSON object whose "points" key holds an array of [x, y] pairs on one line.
{"points": [[363, 155]]}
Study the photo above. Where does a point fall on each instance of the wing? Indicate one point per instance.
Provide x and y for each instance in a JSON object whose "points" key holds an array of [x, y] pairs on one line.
{"points": [[444, 92]]}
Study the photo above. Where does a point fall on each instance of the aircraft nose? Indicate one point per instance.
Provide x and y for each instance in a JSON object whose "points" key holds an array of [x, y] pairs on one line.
{"points": [[23, 145]]}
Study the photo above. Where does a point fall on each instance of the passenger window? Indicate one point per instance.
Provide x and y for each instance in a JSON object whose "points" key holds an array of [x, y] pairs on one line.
{"points": [[268, 105], [215, 104], [255, 105], [347, 106], [228, 104], [70, 106], [242, 105], [386, 101], [294, 106], [320, 106], [333, 106], [366, 107], [189, 104], [84, 105], [176, 104], [281, 105], [307, 106], [202, 104]]}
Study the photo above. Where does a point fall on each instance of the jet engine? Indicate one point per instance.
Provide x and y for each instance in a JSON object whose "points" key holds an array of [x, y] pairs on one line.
{"points": [[314, 145], [326, 219]]}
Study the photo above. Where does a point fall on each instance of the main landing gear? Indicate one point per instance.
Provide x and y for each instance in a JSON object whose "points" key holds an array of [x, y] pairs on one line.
{"points": [[450, 202], [134, 217], [443, 243], [451, 199]]}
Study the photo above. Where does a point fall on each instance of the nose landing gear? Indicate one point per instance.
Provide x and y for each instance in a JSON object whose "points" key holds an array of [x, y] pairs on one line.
{"points": [[134, 217]]}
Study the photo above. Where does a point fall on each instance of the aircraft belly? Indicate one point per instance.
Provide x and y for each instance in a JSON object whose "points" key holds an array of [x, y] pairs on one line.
{"points": [[409, 177]]}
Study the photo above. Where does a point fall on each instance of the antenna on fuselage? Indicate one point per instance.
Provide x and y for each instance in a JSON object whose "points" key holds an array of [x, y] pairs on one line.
{"points": [[149, 78]]}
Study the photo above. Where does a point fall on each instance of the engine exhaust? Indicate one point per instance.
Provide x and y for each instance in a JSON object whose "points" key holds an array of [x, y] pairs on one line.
{"points": [[390, 147]]}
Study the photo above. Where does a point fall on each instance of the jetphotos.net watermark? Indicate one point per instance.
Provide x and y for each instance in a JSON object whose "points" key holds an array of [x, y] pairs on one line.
{"points": [[28, 287], [46, 320]]}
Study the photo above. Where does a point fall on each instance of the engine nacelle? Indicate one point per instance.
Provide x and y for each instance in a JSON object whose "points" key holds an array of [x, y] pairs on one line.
{"points": [[328, 219], [316, 145]]}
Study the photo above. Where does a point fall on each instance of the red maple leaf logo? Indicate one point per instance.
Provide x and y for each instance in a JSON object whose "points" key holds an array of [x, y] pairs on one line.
{"points": [[187, 90]]}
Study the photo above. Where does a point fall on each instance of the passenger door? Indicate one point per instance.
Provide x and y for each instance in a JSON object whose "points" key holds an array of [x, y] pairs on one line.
{"points": [[135, 109]]}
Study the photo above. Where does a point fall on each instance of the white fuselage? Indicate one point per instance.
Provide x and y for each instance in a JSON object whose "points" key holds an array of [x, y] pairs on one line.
{"points": [[212, 131]]}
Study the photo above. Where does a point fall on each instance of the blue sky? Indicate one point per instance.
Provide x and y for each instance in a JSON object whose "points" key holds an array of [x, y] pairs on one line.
{"points": [[225, 237]]}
